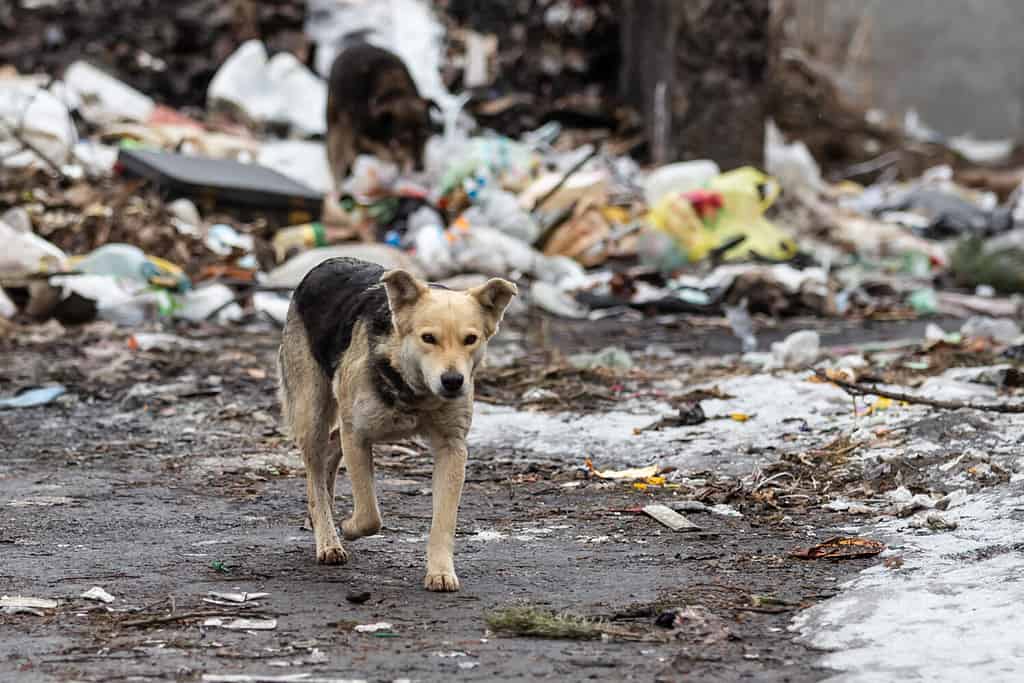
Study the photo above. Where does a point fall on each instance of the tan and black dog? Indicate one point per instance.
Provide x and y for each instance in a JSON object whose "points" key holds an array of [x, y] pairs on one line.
{"points": [[373, 107], [382, 356]]}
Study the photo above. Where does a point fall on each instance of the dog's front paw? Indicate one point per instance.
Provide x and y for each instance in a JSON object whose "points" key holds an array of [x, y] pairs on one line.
{"points": [[441, 583], [332, 554]]}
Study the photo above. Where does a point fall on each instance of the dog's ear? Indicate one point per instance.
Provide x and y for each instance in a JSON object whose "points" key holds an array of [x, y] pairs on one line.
{"points": [[493, 297], [402, 289]]}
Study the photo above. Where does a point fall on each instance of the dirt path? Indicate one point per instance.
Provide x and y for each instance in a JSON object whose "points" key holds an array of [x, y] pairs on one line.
{"points": [[162, 476]]}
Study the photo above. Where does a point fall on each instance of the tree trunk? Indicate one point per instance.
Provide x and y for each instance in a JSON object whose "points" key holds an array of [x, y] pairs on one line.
{"points": [[698, 69]]}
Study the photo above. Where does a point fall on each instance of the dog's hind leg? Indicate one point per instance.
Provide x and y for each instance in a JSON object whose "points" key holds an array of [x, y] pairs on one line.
{"points": [[365, 519], [322, 458], [310, 411]]}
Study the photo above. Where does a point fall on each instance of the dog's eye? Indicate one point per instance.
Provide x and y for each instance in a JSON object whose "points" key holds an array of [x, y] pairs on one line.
{"points": [[469, 340], [429, 339]]}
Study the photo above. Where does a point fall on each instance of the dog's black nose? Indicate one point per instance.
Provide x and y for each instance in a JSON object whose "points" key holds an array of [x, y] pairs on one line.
{"points": [[451, 381]]}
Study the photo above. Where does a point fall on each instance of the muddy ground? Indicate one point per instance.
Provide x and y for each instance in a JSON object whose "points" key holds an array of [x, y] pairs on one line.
{"points": [[162, 476]]}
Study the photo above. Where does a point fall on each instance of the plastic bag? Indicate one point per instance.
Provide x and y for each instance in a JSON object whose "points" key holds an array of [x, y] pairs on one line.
{"points": [[730, 211], [26, 253], [499, 209]]}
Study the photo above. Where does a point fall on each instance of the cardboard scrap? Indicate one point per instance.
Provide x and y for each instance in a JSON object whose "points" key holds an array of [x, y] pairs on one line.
{"points": [[670, 518], [627, 474]]}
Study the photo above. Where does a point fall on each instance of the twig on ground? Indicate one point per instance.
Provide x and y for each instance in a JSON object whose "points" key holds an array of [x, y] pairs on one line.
{"points": [[184, 616], [854, 389]]}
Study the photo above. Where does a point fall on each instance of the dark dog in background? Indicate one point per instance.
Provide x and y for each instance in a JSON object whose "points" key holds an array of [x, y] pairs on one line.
{"points": [[373, 107]]}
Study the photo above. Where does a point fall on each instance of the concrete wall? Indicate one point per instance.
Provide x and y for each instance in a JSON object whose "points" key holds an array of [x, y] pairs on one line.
{"points": [[960, 63]]}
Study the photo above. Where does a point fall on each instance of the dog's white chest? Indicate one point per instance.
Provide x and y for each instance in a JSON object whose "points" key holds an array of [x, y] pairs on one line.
{"points": [[379, 422]]}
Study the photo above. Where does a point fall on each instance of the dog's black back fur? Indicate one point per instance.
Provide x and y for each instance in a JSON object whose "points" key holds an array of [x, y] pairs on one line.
{"points": [[332, 298]]}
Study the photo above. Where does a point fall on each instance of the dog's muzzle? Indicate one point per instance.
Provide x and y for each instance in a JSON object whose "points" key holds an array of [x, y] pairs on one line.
{"points": [[451, 384]]}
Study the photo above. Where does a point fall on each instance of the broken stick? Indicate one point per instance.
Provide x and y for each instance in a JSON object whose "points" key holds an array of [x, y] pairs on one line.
{"points": [[855, 389]]}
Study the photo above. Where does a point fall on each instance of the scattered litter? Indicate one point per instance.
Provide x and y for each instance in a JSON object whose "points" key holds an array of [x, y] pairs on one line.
{"points": [[848, 507], [18, 609], [41, 501], [906, 503], [30, 398], [236, 597], [241, 624], [18, 603], [634, 473], [1001, 330], [690, 413], [670, 518], [840, 548], [157, 341], [935, 521], [689, 506], [380, 626], [742, 325], [725, 510], [98, 594], [557, 302], [797, 351], [951, 500]]}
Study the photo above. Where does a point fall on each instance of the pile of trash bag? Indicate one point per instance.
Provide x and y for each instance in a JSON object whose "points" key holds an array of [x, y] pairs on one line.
{"points": [[241, 204]]}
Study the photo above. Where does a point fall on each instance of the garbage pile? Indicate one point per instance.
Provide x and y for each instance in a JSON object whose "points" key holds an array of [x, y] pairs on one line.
{"points": [[115, 206]]}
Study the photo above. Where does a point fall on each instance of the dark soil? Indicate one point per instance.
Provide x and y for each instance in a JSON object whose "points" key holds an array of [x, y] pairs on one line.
{"points": [[162, 476]]}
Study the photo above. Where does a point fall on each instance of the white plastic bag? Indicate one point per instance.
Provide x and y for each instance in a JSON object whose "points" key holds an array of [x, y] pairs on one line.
{"points": [[280, 89]]}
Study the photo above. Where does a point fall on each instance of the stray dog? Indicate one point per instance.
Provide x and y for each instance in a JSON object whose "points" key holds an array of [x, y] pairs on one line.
{"points": [[373, 107], [382, 356]]}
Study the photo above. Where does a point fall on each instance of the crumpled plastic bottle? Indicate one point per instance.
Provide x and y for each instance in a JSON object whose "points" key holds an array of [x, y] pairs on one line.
{"points": [[500, 210], [428, 240], [131, 263]]}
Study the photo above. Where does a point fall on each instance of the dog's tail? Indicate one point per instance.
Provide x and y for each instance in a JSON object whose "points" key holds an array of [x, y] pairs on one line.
{"points": [[307, 405], [283, 393]]}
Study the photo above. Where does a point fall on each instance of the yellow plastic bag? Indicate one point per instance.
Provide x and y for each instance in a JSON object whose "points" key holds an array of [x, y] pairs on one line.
{"points": [[746, 193]]}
